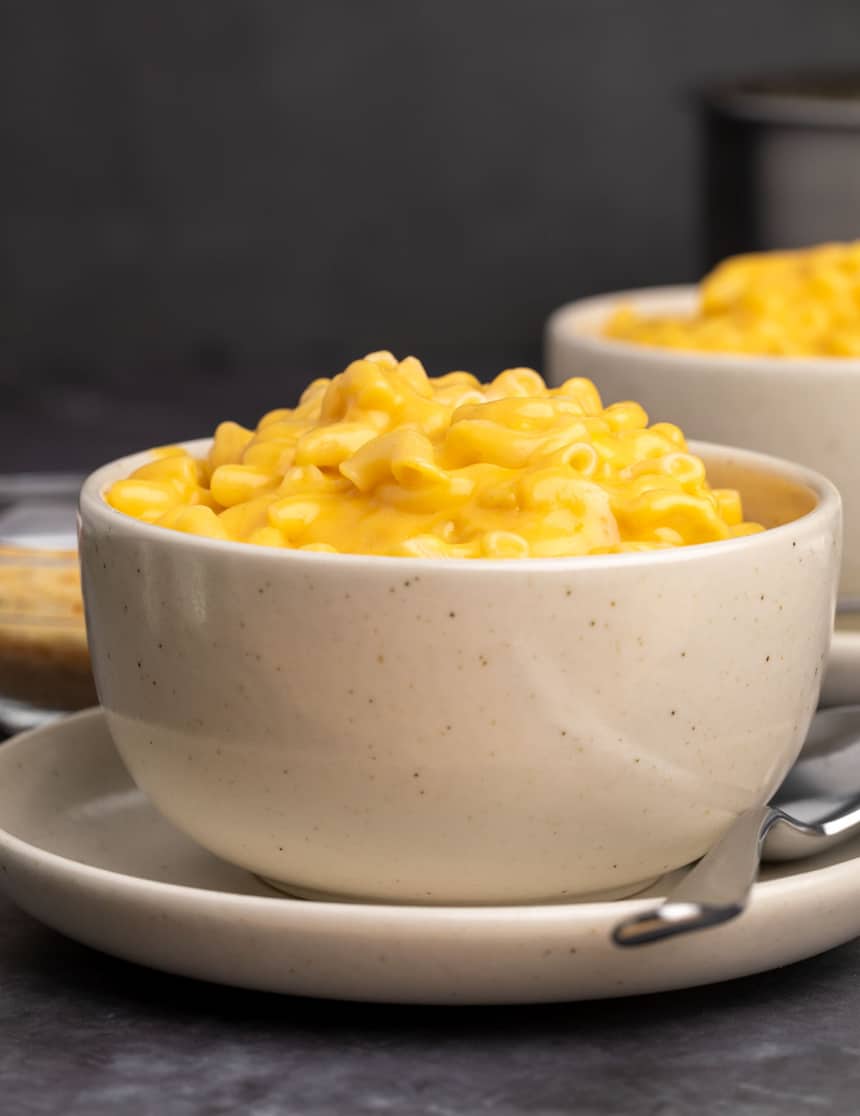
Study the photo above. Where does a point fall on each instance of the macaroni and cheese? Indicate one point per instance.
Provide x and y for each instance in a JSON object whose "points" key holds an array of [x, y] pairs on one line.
{"points": [[383, 459], [801, 303]]}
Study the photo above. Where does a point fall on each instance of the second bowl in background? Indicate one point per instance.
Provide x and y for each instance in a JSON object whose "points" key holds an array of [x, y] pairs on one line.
{"points": [[804, 409]]}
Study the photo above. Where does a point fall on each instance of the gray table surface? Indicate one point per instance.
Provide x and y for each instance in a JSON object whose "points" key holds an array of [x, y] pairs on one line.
{"points": [[85, 1035]]}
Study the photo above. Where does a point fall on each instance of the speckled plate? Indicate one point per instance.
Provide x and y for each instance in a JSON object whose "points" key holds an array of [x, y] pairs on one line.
{"points": [[83, 851]]}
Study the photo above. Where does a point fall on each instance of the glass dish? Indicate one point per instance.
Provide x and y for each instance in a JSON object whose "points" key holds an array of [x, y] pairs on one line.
{"points": [[44, 662]]}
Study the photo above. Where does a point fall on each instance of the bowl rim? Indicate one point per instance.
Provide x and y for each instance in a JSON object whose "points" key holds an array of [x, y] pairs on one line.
{"points": [[787, 98], [564, 324], [95, 510]]}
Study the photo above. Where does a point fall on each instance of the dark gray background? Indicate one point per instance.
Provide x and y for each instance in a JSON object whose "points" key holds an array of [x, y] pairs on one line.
{"points": [[206, 203]]}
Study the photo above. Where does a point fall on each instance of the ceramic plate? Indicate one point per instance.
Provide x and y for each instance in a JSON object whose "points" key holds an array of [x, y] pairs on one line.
{"points": [[82, 850]]}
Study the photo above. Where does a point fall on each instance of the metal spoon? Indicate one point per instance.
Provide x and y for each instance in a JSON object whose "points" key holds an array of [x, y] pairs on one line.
{"points": [[817, 806]]}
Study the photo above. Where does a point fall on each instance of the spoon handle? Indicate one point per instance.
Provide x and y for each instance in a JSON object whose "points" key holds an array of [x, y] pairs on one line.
{"points": [[714, 891]]}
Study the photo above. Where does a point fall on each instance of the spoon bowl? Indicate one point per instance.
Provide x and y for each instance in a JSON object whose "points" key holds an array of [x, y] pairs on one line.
{"points": [[819, 800]]}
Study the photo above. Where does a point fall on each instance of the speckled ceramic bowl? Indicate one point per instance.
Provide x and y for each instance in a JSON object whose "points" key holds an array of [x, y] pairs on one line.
{"points": [[802, 408], [454, 731]]}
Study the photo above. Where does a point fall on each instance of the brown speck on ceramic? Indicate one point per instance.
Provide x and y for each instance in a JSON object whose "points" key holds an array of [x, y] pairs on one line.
{"points": [[452, 615], [380, 658]]}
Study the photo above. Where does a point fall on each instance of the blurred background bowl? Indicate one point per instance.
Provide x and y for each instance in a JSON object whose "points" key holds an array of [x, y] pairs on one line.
{"points": [[781, 162], [804, 409], [44, 661]]}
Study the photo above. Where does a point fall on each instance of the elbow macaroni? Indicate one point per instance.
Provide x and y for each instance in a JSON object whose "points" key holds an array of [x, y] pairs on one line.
{"points": [[383, 459], [802, 303]]}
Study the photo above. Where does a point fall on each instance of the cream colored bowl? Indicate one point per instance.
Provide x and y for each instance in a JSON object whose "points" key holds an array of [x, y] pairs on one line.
{"points": [[806, 409], [455, 731]]}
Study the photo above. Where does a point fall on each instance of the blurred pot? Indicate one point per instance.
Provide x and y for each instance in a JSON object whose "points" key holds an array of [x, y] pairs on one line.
{"points": [[782, 163]]}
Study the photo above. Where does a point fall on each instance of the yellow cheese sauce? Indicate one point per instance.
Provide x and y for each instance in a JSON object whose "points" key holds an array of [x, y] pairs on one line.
{"points": [[383, 459], [800, 303]]}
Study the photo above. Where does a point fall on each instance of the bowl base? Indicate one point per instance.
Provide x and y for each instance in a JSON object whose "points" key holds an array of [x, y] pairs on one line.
{"points": [[294, 891]]}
